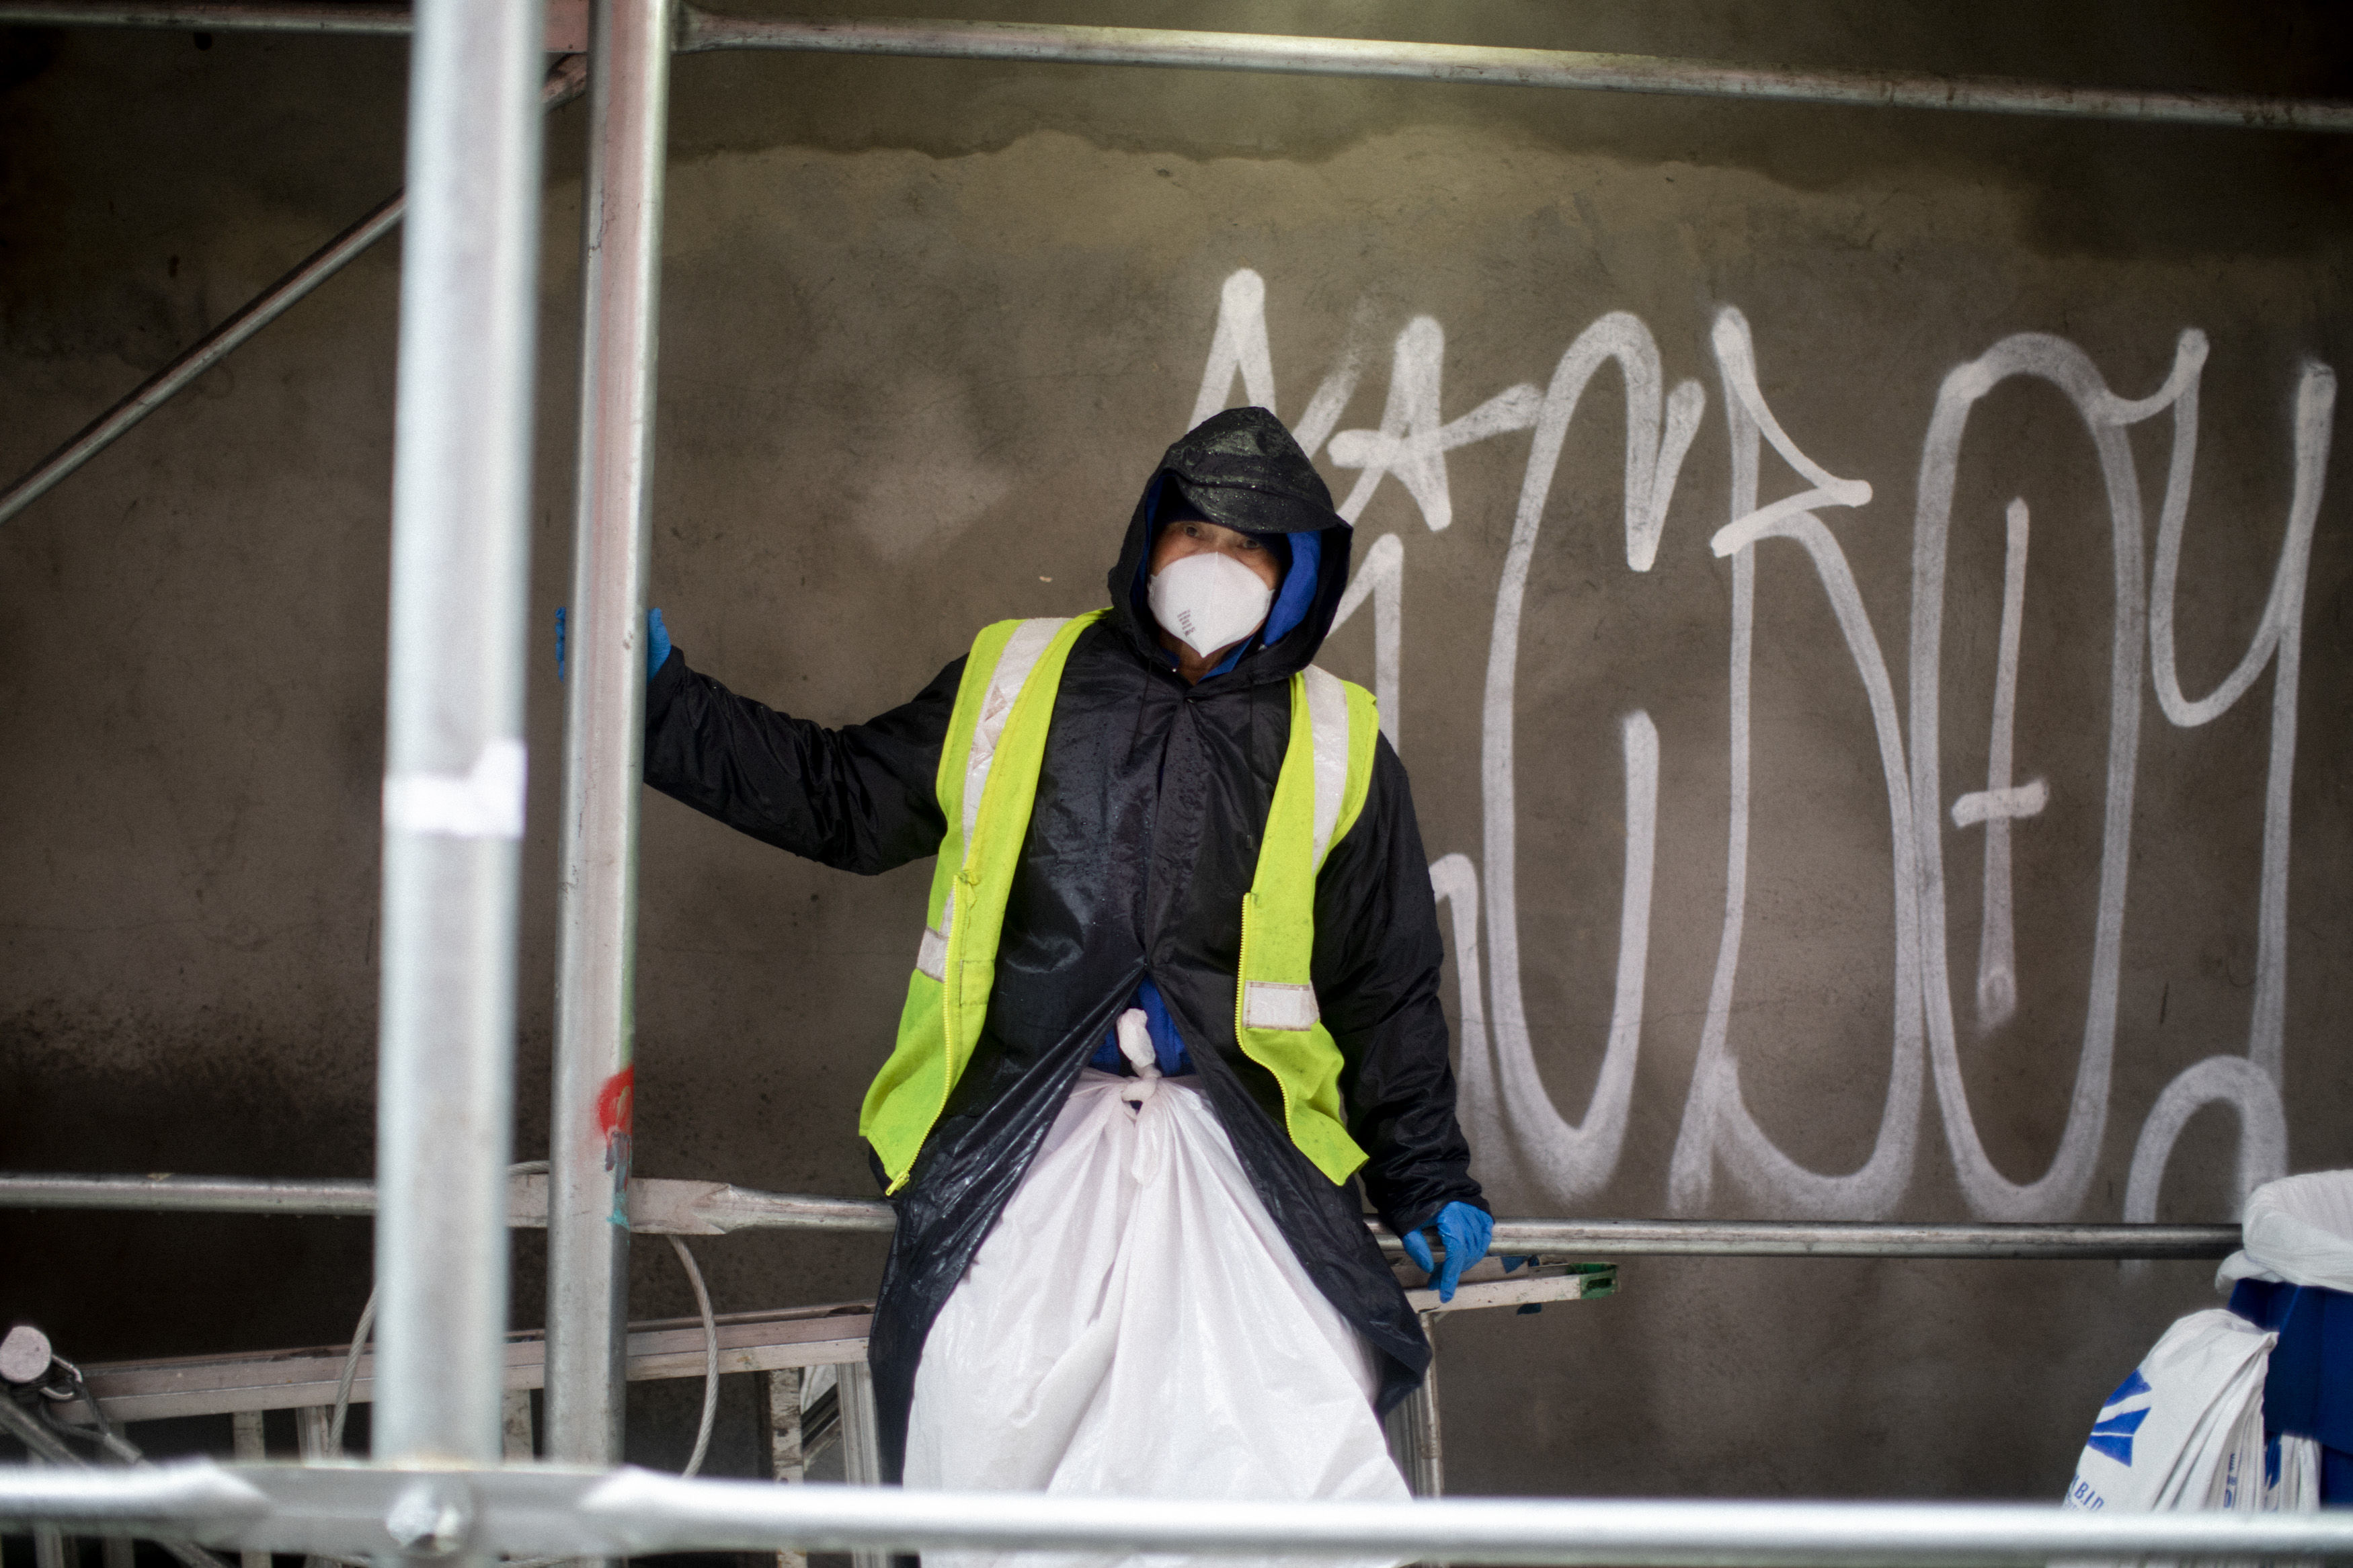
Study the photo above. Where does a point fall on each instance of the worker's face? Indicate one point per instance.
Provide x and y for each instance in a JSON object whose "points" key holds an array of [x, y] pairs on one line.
{"points": [[1195, 536]]}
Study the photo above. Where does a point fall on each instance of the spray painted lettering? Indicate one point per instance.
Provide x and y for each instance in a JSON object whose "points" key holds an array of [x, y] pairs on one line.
{"points": [[1513, 1122]]}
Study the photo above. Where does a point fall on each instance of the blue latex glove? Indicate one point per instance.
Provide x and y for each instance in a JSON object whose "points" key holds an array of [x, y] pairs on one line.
{"points": [[1466, 1230], [657, 643]]}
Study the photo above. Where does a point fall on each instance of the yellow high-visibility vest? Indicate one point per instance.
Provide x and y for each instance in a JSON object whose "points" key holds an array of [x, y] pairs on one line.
{"points": [[986, 786]]}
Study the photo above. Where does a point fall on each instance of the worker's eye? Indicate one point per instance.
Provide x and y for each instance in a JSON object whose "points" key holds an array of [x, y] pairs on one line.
{"points": [[1248, 544]]}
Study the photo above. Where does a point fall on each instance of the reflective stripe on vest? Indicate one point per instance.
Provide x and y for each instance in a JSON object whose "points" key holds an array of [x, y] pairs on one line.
{"points": [[987, 783], [1018, 657], [1276, 1019]]}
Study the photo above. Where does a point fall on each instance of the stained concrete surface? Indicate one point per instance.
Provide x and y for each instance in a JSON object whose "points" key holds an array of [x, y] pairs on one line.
{"points": [[926, 326]]}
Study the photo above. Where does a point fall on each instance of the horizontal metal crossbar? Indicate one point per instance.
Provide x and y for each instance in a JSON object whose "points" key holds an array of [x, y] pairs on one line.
{"points": [[656, 1207], [355, 1510], [567, 20], [1861, 1238], [167, 1194], [715, 1208], [834, 1334], [1457, 64], [345, 18], [295, 1378], [1480, 65]]}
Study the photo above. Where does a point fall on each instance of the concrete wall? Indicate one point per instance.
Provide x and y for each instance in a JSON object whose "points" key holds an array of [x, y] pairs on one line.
{"points": [[926, 327]]}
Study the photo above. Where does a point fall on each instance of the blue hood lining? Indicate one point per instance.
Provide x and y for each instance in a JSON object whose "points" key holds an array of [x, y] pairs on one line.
{"points": [[1297, 595]]}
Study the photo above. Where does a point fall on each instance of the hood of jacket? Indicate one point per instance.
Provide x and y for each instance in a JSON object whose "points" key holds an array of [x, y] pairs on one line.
{"points": [[1241, 469]]}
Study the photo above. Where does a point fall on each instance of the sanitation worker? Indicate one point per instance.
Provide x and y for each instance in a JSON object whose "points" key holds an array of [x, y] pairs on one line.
{"points": [[1173, 1017]]}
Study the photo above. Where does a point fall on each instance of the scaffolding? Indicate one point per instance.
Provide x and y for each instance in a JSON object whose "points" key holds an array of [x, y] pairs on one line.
{"points": [[440, 1483]]}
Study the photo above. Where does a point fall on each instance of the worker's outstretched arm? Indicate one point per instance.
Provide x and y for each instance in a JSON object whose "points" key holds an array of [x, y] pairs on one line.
{"points": [[1377, 965], [860, 798]]}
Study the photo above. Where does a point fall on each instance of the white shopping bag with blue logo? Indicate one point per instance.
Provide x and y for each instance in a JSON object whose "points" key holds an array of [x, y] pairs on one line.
{"points": [[2185, 1430]]}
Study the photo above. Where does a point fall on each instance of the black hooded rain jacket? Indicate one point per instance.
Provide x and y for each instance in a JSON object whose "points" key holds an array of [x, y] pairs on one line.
{"points": [[1146, 833]]}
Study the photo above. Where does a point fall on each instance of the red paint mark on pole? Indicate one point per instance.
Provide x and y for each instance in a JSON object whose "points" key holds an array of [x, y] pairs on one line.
{"points": [[614, 1102], [616, 1110]]}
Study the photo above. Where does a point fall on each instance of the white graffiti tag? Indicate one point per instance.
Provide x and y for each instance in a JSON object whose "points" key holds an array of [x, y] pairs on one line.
{"points": [[1519, 1137]]}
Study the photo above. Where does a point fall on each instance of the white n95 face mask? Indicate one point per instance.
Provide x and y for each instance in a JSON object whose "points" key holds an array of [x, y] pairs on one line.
{"points": [[1208, 601]]}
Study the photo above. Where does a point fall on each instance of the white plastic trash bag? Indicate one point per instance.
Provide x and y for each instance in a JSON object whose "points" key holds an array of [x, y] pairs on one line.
{"points": [[2185, 1430], [1135, 1325], [2299, 1231], [2295, 1485]]}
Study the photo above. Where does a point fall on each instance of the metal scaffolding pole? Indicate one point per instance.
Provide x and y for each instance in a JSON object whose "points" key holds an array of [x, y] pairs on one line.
{"points": [[216, 347], [715, 1208], [454, 761], [345, 18], [1856, 1238], [567, 20], [603, 744], [546, 1508], [1463, 63], [1480, 64], [168, 1193], [563, 84]]}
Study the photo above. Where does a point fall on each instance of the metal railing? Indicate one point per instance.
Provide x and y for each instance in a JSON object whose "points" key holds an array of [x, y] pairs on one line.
{"points": [[715, 1208], [1480, 64], [357, 1509], [341, 18], [1473, 64], [123, 1393]]}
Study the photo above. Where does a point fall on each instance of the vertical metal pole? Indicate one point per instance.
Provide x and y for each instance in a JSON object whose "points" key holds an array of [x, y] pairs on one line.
{"points": [[786, 1461], [245, 1442], [453, 792], [312, 1425], [604, 742], [1415, 1441], [861, 1441], [521, 1444]]}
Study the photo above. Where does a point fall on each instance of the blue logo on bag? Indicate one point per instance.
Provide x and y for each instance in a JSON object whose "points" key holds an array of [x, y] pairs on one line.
{"points": [[2113, 1434]]}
